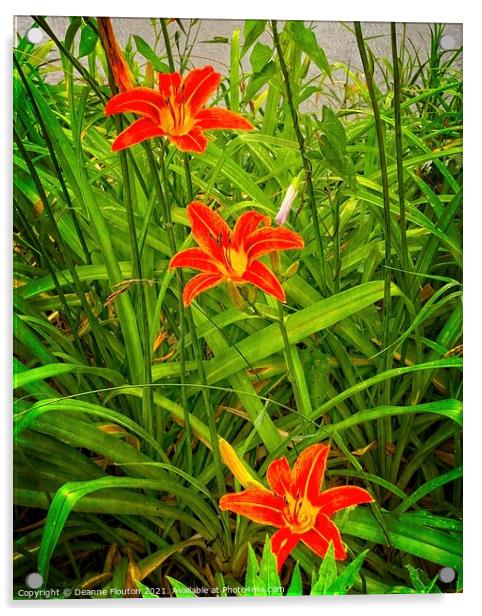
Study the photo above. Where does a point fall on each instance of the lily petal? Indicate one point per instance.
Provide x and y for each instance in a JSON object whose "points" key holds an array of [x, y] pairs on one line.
{"points": [[246, 224], [282, 543], [195, 258], [263, 278], [194, 141], [309, 470], [169, 84], [319, 537], [270, 239], [218, 118], [279, 477], [209, 229], [198, 86], [140, 130], [260, 506], [138, 100], [341, 497], [198, 284]]}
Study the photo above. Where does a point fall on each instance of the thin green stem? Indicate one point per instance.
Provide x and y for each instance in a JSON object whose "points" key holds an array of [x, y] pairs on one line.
{"points": [[289, 361], [97, 331], [306, 161], [42, 22], [147, 402], [172, 245], [405, 261], [58, 237], [200, 365], [147, 406], [195, 341], [384, 428], [184, 396], [187, 173], [167, 45], [404, 436], [56, 164], [166, 215], [162, 198], [399, 148], [234, 72], [336, 241], [208, 409]]}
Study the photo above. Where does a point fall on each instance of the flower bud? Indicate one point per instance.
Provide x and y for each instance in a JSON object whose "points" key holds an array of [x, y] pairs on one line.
{"points": [[275, 261], [252, 294], [292, 269], [235, 296], [149, 75], [237, 467], [115, 56], [288, 200]]}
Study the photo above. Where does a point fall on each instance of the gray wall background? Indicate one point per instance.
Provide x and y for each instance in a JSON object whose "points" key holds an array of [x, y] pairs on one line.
{"points": [[336, 38]]}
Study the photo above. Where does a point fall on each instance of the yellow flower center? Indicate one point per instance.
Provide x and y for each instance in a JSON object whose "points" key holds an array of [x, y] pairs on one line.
{"points": [[174, 118], [299, 514], [238, 261]]}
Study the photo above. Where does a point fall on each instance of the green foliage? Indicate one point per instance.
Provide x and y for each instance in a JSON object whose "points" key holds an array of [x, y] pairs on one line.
{"points": [[88, 41], [321, 584], [145, 592], [253, 29], [295, 588], [328, 582], [260, 56], [120, 393], [149, 54], [419, 584], [180, 590], [305, 39], [333, 145], [263, 580]]}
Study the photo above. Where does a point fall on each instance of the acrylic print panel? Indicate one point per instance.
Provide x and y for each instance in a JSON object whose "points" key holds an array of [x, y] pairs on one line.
{"points": [[237, 251]]}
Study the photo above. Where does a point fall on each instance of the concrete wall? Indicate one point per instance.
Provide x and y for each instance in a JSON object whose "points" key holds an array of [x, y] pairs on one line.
{"points": [[336, 38]]}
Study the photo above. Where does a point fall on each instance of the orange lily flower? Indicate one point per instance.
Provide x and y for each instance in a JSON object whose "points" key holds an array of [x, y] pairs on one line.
{"points": [[175, 110], [226, 255], [297, 506]]}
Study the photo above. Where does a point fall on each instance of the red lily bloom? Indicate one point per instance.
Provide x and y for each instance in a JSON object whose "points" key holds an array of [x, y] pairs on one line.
{"points": [[176, 110], [232, 255], [296, 506]]}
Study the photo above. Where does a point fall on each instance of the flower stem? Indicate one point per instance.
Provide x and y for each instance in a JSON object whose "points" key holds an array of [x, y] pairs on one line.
{"points": [[336, 240], [290, 363], [208, 408], [200, 365], [385, 427], [147, 414], [167, 45], [182, 313], [405, 261], [166, 214], [147, 402], [306, 161], [399, 148]]}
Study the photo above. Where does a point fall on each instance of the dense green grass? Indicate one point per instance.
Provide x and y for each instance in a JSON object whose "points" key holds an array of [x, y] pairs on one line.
{"points": [[121, 392]]}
